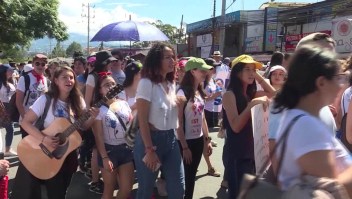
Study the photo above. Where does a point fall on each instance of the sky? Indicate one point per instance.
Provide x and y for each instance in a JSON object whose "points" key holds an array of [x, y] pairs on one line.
{"points": [[104, 12]]}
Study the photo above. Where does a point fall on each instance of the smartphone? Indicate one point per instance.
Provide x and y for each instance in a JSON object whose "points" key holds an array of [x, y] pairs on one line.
{"points": [[157, 165]]}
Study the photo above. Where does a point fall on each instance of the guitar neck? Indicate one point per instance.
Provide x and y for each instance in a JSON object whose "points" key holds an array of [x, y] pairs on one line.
{"points": [[79, 122]]}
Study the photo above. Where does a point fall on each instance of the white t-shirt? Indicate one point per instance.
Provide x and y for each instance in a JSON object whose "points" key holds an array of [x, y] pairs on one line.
{"points": [[114, 133], [130, 100], [193, 117], [308, 134], [325, 116], [90, 80], [36, 89], [345, 100], [61, 110], [163, 108], [119, 77], [6, 93], [214, 105], [222, 68]]}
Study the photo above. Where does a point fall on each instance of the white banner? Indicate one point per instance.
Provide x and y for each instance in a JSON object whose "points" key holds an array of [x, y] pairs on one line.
{"points": [[205, 51], [260, 134], [342, 34], [204, 40]]}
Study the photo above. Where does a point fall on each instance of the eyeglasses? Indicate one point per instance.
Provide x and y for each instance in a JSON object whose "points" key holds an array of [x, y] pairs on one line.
{"points": [[341, 78], [38, 64]]}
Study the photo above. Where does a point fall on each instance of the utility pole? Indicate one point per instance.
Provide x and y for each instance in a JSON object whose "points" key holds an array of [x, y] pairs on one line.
{"points": [[222, 27], [88, 15], [181, 31], [213, 28]]}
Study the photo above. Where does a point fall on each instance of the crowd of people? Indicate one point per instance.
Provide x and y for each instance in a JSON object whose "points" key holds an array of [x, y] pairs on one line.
{"points": [[176, 102]]}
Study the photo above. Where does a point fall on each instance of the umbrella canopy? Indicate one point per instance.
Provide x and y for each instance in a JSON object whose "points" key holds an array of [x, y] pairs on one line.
{"points": [[130, 31]]}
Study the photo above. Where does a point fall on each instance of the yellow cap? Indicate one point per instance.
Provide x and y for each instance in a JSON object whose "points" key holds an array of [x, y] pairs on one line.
{"points": [[247, 60]]}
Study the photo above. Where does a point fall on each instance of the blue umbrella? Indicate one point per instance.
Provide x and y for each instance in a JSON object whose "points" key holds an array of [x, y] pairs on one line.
{"points": [[130, 31]]}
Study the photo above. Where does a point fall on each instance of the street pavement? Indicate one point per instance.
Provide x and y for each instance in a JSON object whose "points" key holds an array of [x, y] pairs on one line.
{"points": [[206, 187]]}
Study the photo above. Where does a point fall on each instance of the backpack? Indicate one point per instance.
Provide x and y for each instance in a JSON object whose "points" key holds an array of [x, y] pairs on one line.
{"points": [[131, 130], [13, 111]]}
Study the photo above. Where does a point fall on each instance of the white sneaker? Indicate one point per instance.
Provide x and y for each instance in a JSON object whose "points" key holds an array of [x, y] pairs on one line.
{"points": [[161, 186]]}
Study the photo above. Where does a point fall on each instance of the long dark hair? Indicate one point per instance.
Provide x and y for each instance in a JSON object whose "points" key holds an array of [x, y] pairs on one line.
{"points": [[97, 94], [187, 85], [307, 64], [4, 80], [75, 97], [153, 63], [236, 85]]}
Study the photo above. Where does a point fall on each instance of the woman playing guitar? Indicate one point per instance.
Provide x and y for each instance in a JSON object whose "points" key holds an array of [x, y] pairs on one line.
{"points": [[66, 102]]}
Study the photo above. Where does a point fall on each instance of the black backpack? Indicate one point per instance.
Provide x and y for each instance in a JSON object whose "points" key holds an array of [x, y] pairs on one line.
{"points": [[12, 110]]}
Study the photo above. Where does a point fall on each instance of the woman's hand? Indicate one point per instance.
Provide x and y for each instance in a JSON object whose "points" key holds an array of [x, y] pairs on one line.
{"points": [[94, 112], [151, 160], [208, 149], [108, 165], [4, 167], [217, 94], [261, 100], [51, 141], [187, 155]]}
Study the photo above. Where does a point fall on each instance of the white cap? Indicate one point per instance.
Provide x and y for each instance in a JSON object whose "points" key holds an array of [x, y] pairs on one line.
{"points": [[27, 68], [216, 53], [277, 67]]}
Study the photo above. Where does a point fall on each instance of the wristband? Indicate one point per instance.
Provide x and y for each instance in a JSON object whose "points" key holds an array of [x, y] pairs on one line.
{"points": [[150, 149], [104, 157]]}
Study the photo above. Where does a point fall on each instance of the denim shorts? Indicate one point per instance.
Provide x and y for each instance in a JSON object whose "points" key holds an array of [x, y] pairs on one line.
{"points": [[118, 154]]}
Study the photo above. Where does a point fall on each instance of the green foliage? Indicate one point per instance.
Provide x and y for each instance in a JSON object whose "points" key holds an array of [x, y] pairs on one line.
{"points": [[24, 20], [170, 31], [58, 51], [15, 53], [72, 48]]}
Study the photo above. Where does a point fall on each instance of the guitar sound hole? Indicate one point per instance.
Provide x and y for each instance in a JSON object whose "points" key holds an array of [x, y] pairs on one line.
{"points": [[62, 138]]}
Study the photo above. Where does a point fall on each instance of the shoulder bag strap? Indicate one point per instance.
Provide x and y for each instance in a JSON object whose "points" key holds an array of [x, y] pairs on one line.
{"points": [[283, 139], [121, 122]]}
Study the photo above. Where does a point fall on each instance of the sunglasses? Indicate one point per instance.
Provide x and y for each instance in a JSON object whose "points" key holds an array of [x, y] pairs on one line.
{"points": [[40, 64]]}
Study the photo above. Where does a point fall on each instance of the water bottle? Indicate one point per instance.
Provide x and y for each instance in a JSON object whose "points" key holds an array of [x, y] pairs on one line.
{"points": [[4, 182]]}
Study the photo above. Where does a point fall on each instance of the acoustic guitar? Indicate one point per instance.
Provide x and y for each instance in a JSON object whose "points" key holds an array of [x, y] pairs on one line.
{"points": [[44, 162]]}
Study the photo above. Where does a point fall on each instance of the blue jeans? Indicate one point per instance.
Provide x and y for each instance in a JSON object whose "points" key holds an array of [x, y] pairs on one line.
{"points": [[169, 154], [9, 135], [9, 130]]}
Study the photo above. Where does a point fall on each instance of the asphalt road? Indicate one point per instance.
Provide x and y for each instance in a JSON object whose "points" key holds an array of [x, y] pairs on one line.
{"points": [[206, 187]]}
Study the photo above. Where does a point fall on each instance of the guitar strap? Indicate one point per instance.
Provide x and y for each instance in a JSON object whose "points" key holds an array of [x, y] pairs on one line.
{"points": [[40, 121]]}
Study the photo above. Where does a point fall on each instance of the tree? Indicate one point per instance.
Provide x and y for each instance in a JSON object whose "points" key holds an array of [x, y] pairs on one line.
{"points": [[58, 51], [16, 53], [24, 20], [169, 30], [73, 47]]}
